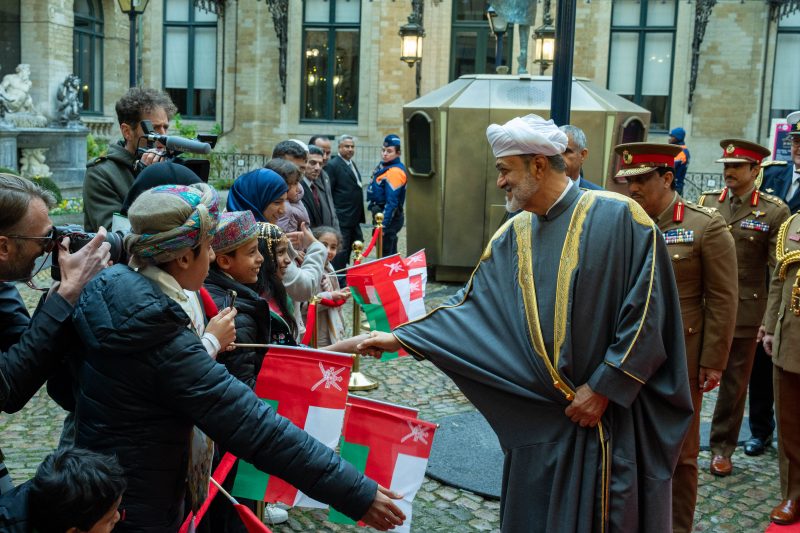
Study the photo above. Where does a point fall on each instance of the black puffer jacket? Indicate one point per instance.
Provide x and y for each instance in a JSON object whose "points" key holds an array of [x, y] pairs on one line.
{"points": [[252, 325], [146, 379]]}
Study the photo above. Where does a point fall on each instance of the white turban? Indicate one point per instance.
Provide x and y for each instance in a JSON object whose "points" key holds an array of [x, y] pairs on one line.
{"points": [[530, 134]]}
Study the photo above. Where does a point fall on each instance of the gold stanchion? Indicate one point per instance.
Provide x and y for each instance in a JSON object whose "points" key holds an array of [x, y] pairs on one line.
{"points": [[379, 224], [358, 380], [315, 300], [260, 507]]}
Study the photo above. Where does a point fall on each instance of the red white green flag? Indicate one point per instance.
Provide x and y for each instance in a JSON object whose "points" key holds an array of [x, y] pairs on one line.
{"points": [[417, 267], [309, 387], [382, 290], [389, 444]]}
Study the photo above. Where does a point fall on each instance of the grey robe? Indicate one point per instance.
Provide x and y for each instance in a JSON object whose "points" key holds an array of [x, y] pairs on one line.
{"points": [[608, 308]]}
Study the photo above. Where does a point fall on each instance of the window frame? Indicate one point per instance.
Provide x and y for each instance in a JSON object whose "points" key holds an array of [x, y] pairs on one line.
{"points": [[483, 38], [331, 27], [191, 25], [781, 30], [642, 30], [95, 36]]}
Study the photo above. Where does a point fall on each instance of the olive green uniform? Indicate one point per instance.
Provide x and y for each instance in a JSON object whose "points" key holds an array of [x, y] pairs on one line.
{"points": [[783, 320], [753, 220], [704, 261]]}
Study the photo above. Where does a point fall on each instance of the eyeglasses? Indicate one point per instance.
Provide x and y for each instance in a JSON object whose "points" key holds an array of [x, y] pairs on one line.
{"points": [[48, 241]]}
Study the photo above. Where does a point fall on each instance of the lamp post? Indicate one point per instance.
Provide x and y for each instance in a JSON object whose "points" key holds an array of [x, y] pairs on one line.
{"points": [[411, 35], [133, 8], [498, 25], [562, 68], [545, 38]]}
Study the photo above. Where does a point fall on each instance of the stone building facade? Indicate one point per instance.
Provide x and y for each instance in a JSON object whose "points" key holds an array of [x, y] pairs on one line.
{"points": [[224, 69]]}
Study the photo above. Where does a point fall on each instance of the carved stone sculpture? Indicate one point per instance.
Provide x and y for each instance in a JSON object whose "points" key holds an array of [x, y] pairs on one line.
{"points": [[522, 13], [32, 163], [15, 95], [69, 101]]}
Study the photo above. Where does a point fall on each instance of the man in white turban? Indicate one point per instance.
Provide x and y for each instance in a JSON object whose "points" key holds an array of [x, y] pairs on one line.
{"points": [[579, 365]]}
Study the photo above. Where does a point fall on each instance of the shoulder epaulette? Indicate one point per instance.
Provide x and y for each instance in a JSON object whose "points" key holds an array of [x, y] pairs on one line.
{"points": [[96, 161], [715, 192], [772, 199], [766, 164], [708, 211]]}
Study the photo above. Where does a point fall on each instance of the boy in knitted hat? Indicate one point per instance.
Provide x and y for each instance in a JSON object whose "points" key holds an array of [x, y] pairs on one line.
{"points": [[146, 379]]}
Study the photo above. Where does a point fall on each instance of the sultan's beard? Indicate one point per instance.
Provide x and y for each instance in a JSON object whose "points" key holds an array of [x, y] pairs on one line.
{"points": [[521, 194]]}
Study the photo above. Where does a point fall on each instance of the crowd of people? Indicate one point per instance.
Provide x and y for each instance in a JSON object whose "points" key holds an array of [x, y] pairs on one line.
{"points": [[155, 357]]}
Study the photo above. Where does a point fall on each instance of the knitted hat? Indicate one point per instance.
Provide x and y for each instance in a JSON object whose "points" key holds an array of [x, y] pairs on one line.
{"points": [[167, 220], [234, 229], [679, 134]]}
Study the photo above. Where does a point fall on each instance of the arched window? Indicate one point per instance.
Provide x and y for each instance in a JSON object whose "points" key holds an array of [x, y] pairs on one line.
{"points": [[87, 59]]}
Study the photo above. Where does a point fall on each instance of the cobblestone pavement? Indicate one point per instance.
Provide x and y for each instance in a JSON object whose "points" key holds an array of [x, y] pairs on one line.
{"points": [[738, 503]]}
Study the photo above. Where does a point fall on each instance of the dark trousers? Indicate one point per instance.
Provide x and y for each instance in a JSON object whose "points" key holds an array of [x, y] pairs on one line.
{"points": [[390, 233], [729, 409], [762, 417], [349, 236], [787, 400]]}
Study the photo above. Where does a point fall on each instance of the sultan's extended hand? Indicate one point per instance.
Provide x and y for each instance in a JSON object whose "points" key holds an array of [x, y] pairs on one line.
{"points": [[377, 343]]}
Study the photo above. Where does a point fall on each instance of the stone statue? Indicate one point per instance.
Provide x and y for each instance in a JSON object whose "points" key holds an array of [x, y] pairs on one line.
{"points": [[69, 101], [15, 94], [32, 163], [522, 13]]}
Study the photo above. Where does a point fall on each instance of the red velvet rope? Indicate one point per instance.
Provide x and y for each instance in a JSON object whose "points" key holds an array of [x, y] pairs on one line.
{"points": [[311, 323], [375, 234]]}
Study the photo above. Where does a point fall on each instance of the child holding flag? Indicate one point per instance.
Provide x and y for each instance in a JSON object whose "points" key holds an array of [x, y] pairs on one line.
{"points": [[330, 322]]}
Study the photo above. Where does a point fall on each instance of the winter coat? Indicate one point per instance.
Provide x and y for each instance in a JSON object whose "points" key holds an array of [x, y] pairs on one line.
{"points": [[252, 326], [105, 185], [146, 379]]}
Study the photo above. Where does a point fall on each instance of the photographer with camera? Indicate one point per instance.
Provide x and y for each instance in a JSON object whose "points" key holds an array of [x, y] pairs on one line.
{"points": [[26, 234], [109, 177]]}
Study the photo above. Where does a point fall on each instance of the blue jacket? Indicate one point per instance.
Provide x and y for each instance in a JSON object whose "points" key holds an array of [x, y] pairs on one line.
{"points": [[146, 379], [387, 189], [777, 179]]}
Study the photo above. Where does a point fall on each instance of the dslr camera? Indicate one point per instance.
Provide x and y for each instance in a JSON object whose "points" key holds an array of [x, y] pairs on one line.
{"points": [[78, 238]]}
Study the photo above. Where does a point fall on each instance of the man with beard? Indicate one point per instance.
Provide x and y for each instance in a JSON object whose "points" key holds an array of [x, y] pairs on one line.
{"points": [[317, 195], [753, 219], [704, 260], [579, 366], [26, 234]]}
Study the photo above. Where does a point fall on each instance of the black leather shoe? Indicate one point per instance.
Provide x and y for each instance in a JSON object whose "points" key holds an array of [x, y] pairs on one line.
{"points": [[756, 446]]}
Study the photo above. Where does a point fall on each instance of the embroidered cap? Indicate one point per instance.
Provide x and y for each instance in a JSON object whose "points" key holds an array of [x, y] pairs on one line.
{"points": [[741, 151], [643, 158], [233, 230]]}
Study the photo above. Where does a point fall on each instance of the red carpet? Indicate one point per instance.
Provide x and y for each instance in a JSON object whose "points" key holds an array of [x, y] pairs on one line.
{"points": [[775, 528]]}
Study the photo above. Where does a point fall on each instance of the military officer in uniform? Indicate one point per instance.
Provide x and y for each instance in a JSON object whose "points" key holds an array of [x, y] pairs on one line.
{"points": [[704, 261], [753, 218], [781, 341], [782, 179]]}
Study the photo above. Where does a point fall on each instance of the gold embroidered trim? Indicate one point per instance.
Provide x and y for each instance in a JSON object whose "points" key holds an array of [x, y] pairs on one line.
{"points": [[639, 215], [569, 261], [785, 259], [605, 476], [647, 302], [522, 227], [640, 380]]}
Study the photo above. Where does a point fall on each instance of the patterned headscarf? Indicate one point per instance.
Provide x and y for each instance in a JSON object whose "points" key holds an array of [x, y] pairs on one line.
{"points": [[167, 220], [254, 191]]}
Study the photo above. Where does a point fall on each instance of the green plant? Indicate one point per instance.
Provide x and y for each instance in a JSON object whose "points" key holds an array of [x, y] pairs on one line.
{"points": [[70, 206], [5, 170], [185, 130], [95, 147], [50, 185], [221, 184]]}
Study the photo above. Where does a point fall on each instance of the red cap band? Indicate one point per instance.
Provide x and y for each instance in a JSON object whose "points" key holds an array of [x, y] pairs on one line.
{"points": [[739, 152]]}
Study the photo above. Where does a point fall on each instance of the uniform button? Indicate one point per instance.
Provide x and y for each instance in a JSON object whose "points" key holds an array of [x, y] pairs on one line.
{"points": [[755, 295], [676, 256], [691, 330], [752, 238], [729, 226]]}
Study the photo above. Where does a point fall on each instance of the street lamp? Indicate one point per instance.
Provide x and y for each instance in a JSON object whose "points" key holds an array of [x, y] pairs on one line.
{"points": [[545, 38], [411, 35], [498, 25], [133, 8]]}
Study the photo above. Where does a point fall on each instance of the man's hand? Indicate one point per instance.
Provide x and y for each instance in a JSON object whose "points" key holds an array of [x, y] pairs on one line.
{"points": [[151, 156], [587, 407], [762, 330], [384, 514], [767, 341], [222, 326], [377, 343], [78, 268], [708, 379]]}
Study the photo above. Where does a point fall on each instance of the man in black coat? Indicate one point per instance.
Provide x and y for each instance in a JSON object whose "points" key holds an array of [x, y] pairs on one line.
{"points": [[28, 354], [348, 197]]}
